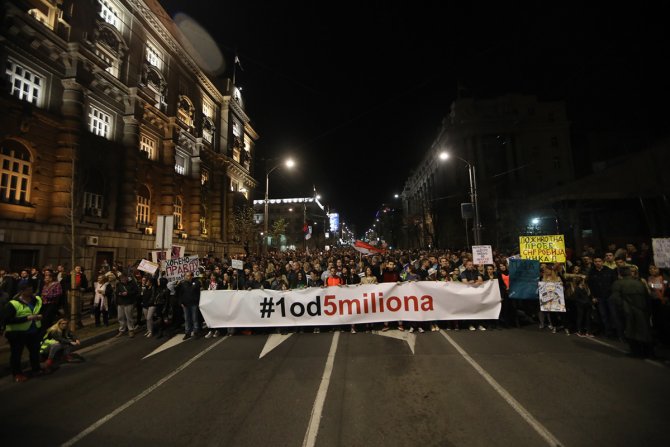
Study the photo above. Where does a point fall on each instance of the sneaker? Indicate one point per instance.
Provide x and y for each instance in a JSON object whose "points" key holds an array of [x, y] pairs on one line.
{"points": [[120, 334], [186, 336], [434, 328], [553, 330], [541, 326], [216, 334], [385, 328], [18, 378], [131, 334], [448, 328], [421, 331], [353, 331], [472, 328], [411, 330], [401, 328], [567, 331], [209, 334], [551, 327], [317, 330], [149, 334], [481, 328]]}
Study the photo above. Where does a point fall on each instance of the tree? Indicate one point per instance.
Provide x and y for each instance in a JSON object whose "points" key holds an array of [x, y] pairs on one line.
{"points": [[244, 227], [278, 229]]}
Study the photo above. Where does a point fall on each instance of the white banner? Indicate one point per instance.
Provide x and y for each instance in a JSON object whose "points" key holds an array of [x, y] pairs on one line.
{"points": [[482, 255], [661, 248], [353, 304], [175, 269]]}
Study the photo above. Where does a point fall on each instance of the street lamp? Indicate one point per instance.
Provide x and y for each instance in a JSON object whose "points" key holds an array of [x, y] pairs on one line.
{"points": [[289, 164], [473, 192]]}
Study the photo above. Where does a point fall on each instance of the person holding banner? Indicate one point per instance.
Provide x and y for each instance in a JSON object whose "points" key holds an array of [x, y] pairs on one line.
{"points": [[188, 296], [470, 275]]}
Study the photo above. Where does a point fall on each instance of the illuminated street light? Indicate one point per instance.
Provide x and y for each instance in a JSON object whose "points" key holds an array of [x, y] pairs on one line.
{"points": [[473, 192], [289, 164]]}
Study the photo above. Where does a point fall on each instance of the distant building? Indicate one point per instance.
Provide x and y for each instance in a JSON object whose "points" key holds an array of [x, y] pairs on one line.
{"points": [[108, 122], [297, 213], [518, 145]]}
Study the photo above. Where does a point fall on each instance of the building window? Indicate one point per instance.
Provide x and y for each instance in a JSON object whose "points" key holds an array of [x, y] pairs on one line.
{"points": [[111, 61], [148, 147], [204, 177], [143, 205], [23, 83], [43, 13], [99, 122], [180, 164], [110, 13], [185, 110], [203, 221], [93, 204], [178, 213], [15, 173], [154, 57], [208, 121]]}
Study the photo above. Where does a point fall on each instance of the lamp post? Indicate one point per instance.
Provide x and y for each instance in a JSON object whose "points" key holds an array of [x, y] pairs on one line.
{"points": [[473, 193], [289, 164]]}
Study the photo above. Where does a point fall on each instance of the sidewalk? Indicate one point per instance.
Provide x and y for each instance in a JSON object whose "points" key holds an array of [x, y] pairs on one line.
{"points": [[89, 335]]}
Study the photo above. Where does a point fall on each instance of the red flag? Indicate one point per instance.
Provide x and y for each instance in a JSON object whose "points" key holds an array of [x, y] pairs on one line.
{"points": [[366, 248]]}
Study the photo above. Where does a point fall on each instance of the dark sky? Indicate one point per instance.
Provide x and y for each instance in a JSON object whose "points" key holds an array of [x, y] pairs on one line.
{"points": [[356, 91]]}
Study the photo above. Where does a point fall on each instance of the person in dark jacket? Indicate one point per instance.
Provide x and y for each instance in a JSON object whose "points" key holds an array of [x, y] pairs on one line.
{"points": [[126, 293], [188, 296], [600, 281], [632, 297]]}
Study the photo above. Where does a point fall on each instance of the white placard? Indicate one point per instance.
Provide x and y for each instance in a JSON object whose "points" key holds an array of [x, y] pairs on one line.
{"points": [[147, 266], [482, 254], [237, 264], [552, 298], [661, 247]]}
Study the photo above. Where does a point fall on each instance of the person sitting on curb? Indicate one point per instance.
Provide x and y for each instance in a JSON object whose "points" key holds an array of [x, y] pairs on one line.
{"points": [[58, 340]]}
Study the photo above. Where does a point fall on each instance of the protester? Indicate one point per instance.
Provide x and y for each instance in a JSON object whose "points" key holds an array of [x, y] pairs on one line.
{"points": [[23, 322], [60, 341], [632, 296]]}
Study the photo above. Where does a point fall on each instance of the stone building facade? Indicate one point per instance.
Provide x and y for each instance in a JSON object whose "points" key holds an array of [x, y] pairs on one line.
{"points": [[108, 123], [518, 145]]}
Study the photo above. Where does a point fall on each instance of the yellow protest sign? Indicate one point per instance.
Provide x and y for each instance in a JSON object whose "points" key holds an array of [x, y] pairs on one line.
{"points": [[547, 248]]}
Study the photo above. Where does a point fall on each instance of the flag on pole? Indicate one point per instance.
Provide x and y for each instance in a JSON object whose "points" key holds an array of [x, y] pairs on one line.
{"points": [[366, 248], [238, 63]]}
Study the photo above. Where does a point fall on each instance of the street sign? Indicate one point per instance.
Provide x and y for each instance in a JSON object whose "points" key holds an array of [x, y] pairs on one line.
{"points": [[164, 228]]}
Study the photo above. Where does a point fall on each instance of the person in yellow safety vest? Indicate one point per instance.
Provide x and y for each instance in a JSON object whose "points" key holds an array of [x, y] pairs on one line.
{"points": [[23, 322], [58, 338]]}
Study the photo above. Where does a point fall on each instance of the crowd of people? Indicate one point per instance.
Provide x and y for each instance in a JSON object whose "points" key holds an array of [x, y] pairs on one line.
{"points": [[616, 293]]}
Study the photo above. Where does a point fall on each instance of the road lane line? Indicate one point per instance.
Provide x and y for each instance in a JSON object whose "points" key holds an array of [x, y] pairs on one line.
{"points": [[595, 340], [317, 409], [516, 405], [140, 396]]}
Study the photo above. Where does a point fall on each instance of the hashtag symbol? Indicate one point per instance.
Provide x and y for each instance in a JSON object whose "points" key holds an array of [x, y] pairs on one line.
{"points": [[267, 307]]}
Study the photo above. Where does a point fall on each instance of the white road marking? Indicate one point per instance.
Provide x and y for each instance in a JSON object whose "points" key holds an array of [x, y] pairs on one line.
{"points": [[140, 396], [623, 351], [516, 405], [317, 409], [400, 335], [272, 342], [171, 343]]}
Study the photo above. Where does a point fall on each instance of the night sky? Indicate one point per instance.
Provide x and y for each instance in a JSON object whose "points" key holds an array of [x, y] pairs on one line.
{"points": [[356, 91]]}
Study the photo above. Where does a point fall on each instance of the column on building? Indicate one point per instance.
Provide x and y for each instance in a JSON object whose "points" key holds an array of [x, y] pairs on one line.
{"points": [[216, 200], [195, 199], [131, 144], [167, 183], [72, 109]]}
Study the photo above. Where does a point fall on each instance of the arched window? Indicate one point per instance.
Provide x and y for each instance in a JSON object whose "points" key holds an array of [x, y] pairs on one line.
{"points": [[143, 213], [15, 173], [185, 110], [178, 213]]}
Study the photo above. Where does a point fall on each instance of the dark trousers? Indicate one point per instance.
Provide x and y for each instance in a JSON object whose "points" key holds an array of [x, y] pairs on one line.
{"points": [[105, 316], [17, 341], [583, 323]]}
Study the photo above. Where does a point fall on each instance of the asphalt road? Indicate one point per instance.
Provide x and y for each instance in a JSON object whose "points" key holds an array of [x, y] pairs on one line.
{"points": [[518, 387]]}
